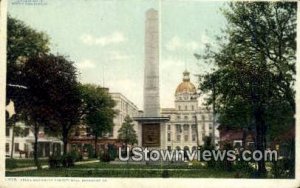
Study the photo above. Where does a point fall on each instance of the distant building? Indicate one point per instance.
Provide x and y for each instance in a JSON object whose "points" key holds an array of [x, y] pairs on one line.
{"points": [[236, 137], [181, 131], [82, 135], [123, 107], [23, 145]]}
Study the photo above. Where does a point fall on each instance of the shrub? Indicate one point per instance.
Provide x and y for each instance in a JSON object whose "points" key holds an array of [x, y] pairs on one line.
{"points": [[244, 166], [112, 151], [283, 168], [69, 159], [104, 157], [165, 174], [11, 163], [54, 162], [90, 150]]}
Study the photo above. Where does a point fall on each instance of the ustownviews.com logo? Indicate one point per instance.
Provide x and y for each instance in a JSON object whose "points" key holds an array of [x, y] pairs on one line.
{"points": [[145, 154]]}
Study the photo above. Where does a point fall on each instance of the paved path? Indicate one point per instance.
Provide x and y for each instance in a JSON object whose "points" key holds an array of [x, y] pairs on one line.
{"points": [[135, 169], [46, 166]]}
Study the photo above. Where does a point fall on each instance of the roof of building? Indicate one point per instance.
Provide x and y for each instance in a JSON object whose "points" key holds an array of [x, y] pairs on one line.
{"points": [[185, 86], [116, 95]]}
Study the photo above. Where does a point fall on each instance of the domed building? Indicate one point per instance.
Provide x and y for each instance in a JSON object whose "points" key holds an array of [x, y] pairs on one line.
{"points": [[187, 118]]}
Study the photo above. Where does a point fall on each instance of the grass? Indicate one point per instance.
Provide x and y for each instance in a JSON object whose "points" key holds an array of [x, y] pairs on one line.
{"points": [[21, 163], [100, 169]]}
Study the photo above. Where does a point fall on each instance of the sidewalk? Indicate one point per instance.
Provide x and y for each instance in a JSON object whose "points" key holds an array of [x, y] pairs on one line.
{"points": [[46, 166]]}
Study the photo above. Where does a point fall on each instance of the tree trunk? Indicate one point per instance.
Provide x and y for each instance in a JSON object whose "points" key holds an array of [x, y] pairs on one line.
{"points": [[65, 141], [260, 139], [95, 145], [12, 142], [35, 147]]}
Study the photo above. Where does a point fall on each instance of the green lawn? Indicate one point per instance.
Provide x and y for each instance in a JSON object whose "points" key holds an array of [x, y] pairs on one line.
{"points": [[99, 169], [21, 163]]}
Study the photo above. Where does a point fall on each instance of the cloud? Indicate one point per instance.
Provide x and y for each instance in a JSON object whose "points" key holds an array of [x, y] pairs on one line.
{"points": [[178, 44], [114, 38], [126, 86], [86, 64], [117, 56]]}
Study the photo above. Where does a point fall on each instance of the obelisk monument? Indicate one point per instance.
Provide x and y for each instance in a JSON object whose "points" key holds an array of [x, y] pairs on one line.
{"points": [[151, 72], [151, 124]]}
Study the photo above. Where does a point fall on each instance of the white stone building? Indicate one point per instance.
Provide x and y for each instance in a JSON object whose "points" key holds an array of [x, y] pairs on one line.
{"points": [[23, 145], [181, 131], [124, 107]]}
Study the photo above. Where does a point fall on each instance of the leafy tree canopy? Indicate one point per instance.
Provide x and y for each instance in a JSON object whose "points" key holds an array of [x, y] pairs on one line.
{"points": [[254, 65], [98, 108]]}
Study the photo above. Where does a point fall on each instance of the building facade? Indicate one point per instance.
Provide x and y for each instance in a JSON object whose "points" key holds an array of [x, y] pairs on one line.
{"points": [[23, 142], [124, 107], [187, 119], [82, 136]]}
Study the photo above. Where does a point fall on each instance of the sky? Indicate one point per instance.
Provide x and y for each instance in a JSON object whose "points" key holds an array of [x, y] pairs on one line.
{"points": [[105, 39]]}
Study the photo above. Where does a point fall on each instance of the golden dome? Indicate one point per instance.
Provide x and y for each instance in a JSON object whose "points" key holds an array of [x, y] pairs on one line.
{"points": [[185, 86]]}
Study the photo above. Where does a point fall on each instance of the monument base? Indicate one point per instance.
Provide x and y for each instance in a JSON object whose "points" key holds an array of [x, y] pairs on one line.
{"points": [[151, 131]]}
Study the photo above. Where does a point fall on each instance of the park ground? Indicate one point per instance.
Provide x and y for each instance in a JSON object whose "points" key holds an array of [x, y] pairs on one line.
{"points": [[95, 168]]}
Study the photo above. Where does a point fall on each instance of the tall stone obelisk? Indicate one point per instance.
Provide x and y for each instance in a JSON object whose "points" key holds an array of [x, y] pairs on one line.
{"points": [[151, 124], [151, 72]]}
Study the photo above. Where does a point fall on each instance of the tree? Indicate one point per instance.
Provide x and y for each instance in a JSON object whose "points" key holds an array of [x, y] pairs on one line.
{"points": [[254, 75], [52, 97], [127, 132], [23, 42], [98, 110]]}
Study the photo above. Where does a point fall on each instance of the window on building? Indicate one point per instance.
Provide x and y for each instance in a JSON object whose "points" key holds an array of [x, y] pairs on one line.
{"points": [[169, 148], [210, 117], [178, 128], [16, 147], [26, 131], [185, 117], [193, 137], [178, 138], [193, 128], [185, 107], [169, 127], [210, 126], [178, 117], [185, 127], [192, 107], [194, 148], [7, 147], [186, 138], [7, 132], [179, 107], [203, 117], [169, 137]]}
